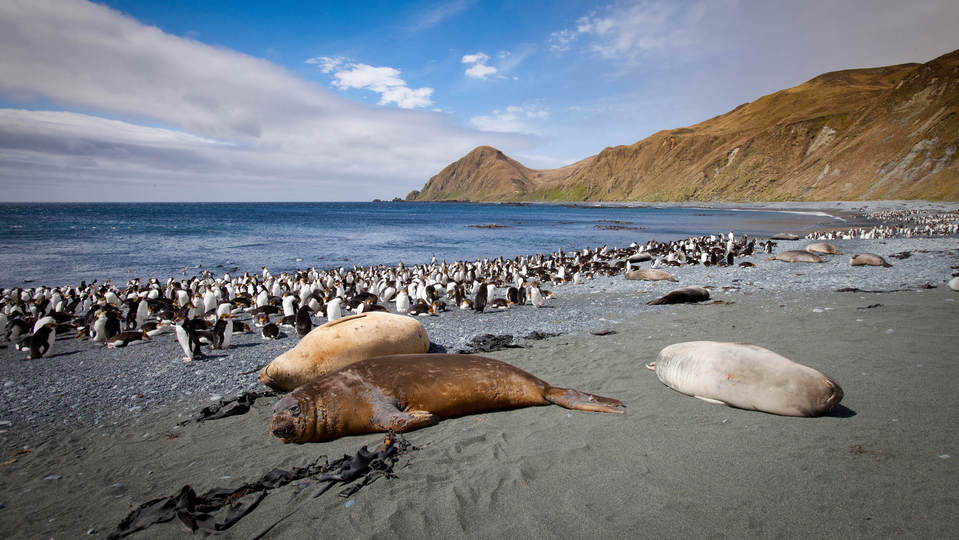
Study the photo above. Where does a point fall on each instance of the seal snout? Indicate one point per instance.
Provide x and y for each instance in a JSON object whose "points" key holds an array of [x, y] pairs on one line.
{"points": [[284, 423], [836, 395]]}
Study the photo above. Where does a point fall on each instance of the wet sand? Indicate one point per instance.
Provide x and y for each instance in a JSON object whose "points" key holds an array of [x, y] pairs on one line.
{"points": [[884, 465]]}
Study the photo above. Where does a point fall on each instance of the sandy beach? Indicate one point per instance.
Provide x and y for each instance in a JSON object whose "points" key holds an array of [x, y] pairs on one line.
{"points": [[885, 464]]}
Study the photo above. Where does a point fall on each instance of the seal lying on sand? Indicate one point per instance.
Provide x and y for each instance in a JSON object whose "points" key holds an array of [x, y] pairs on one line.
{"points": [[796, 256], [746, 376], [413, 391], [823, 247], [341, 342], [868, 259], [682, 295], [650, 274]]}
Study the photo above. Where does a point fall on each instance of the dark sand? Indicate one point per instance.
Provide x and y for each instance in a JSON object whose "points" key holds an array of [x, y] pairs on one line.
{"points": [[885, 465]]}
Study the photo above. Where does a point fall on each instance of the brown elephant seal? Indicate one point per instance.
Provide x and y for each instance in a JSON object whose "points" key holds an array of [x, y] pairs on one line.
{"points": [[868, 259], [796, 256], [746, 376], [682, 295], [330, 346], [823, 247], [412, 391], [650, 274]]}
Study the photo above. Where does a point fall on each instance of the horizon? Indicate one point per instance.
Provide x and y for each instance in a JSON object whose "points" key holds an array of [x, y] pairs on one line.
{"points": [[132, 101]]}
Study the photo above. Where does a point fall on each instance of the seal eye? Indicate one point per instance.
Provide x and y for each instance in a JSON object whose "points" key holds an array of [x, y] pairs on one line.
{"points": [[287, 404]]}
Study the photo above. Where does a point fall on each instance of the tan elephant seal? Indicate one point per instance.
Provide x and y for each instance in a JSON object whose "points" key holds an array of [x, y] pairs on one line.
{"points": [[823, 247], [796, 256], [650, 274], [868, 259], [682, 295], [746, 376], [341, 342], [408, 392]]}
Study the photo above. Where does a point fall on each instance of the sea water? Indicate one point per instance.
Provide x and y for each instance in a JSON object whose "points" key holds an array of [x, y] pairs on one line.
{"points": [[64, 244]]}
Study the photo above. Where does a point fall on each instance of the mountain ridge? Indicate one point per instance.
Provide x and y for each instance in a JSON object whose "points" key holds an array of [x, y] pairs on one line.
{"points": [[861, 134]]}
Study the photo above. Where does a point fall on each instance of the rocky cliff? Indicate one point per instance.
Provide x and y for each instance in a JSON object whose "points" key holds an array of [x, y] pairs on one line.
{"points": [[882, 133]]}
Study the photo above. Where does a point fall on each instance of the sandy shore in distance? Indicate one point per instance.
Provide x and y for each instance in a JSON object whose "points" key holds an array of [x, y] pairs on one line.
{"points": [[671, 467], [884, 465]]}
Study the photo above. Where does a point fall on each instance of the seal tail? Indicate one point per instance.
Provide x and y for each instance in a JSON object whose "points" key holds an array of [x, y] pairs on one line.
{"points": [[574, 399]]}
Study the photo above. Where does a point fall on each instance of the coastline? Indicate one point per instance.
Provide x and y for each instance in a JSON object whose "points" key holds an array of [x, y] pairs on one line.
{"points": [[671, 467]]}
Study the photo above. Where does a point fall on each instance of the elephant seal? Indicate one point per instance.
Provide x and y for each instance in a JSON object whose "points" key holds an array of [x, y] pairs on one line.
{"points": [[746, 376], [412, 391], [650, 274], [868, 259], [784, 236], [330, 346], [954, 283], [796, 256], [682, 295], [823, 247]]}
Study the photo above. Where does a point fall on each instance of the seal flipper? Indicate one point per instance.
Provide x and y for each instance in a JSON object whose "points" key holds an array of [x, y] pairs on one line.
{"points": [[713, 401], [574, 399], [388, 417]]}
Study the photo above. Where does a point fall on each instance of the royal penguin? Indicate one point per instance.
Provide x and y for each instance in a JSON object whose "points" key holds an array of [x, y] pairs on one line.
{"points": [[41, 343]]}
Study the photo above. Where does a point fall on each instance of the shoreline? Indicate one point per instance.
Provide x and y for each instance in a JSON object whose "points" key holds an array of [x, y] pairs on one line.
{"points": [[722, 475]]}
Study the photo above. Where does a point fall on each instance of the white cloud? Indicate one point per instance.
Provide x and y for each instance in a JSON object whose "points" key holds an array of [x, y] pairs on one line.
{"points": [[511, 120], [474, 58], [480, 71], [385, 81], [327, 64], [630, 32], [439, 13], [560, 41], [232, 126]]}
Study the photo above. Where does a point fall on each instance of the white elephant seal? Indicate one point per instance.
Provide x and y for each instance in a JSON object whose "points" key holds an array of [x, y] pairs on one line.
{"points": [[796, 256], [339, 343], [868, 259], [823, 247], [746, 376], [650, 274]]}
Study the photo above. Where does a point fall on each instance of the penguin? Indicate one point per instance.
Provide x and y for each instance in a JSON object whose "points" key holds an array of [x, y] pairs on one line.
{"points": [[152, 328], [223, 332], [270, 331], [41, 343], [304, 324], [16, 328], [536, 296], [126, 338], [479, 303], [498, 303], [420, 308], [333, 311], [402, 302], [188, 339]]}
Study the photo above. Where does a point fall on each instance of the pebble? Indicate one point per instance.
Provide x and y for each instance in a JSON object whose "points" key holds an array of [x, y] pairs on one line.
{"points": [[54, 477]]}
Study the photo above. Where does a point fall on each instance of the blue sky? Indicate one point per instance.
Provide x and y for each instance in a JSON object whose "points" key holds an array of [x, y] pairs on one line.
{"points": [[221, 101]]}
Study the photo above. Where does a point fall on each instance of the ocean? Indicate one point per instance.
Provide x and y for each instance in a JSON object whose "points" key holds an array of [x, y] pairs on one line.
{"points": [[64, 244]]}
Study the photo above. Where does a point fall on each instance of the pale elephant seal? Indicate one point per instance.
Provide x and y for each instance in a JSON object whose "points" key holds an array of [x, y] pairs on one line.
{"points": [[784, 236], [412, 391], [796, 256], [650, 274], [746, 376], [341, 342], [868, 259], [682, 295], [823, 247]]}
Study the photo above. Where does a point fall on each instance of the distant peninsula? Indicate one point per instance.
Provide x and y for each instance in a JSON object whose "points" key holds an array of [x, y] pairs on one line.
{"points": [[861, 134]]}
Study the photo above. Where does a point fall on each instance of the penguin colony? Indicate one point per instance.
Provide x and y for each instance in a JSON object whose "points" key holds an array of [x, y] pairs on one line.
{"points": [[205, 311]]}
